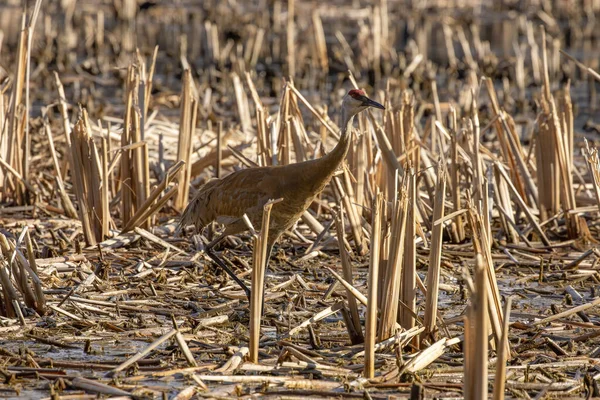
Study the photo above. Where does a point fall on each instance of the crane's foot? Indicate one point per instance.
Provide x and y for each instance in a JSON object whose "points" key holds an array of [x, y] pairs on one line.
{"points": [[228, 270]]}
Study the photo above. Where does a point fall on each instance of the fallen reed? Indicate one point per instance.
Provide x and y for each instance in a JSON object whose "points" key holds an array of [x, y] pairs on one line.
{"points": [[476, 185]]}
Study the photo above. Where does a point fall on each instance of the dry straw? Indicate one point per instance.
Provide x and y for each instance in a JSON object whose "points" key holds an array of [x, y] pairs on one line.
{"points": [[259, 267], [501, 208], [372, 312]]}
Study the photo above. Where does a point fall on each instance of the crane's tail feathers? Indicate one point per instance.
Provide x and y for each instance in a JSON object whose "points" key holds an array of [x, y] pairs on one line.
{"points": [[199, 210], [184, 221], [192, 215], [179, 229]]}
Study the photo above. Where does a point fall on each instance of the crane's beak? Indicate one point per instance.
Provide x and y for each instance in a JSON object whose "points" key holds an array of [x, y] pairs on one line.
{"points": [[370, 103]]}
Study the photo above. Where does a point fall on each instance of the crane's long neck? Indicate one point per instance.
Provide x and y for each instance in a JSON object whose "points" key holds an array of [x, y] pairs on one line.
{"points": [[335, 157], [320, 171]]}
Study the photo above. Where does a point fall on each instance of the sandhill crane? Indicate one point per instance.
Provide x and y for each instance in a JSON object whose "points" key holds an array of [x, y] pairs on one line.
{"points": [[246, 191]]}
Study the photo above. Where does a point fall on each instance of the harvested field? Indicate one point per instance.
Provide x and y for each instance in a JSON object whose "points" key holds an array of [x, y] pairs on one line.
{"points": [[455, 254]]}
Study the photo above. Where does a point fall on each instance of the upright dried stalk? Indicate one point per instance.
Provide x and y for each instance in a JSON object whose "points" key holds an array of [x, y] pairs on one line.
{"points": [[187, 124], [9, 293], [242, 104], [259, 266], [320, 42], [392, 282], [408, 292], [475, 152], [502, 196], [556, 127], [481, 245], [593, 164], [155, 201], [435, 255], [476, 334], [371, 320], [500, 377], [24, 271], [87, 181], [29, 36], [15, 141], [290, 34], [354, 328], [127, 170], [40, 299], [64, 197], [355, 225], [511, 147], [455, 177]]}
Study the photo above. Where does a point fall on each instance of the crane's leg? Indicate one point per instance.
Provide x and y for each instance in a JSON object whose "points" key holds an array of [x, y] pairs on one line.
{"points": [[213, 256], [216, 241]]}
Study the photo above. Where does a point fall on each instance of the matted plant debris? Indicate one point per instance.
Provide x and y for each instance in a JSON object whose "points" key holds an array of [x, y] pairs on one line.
{"points": [[455, 254]]}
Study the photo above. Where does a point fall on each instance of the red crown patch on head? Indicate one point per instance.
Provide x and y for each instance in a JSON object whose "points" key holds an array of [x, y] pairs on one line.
{"points": [[356, 93]]}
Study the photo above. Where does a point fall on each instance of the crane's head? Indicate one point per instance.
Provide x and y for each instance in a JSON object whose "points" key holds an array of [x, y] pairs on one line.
{"points": [[356, 101]]}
